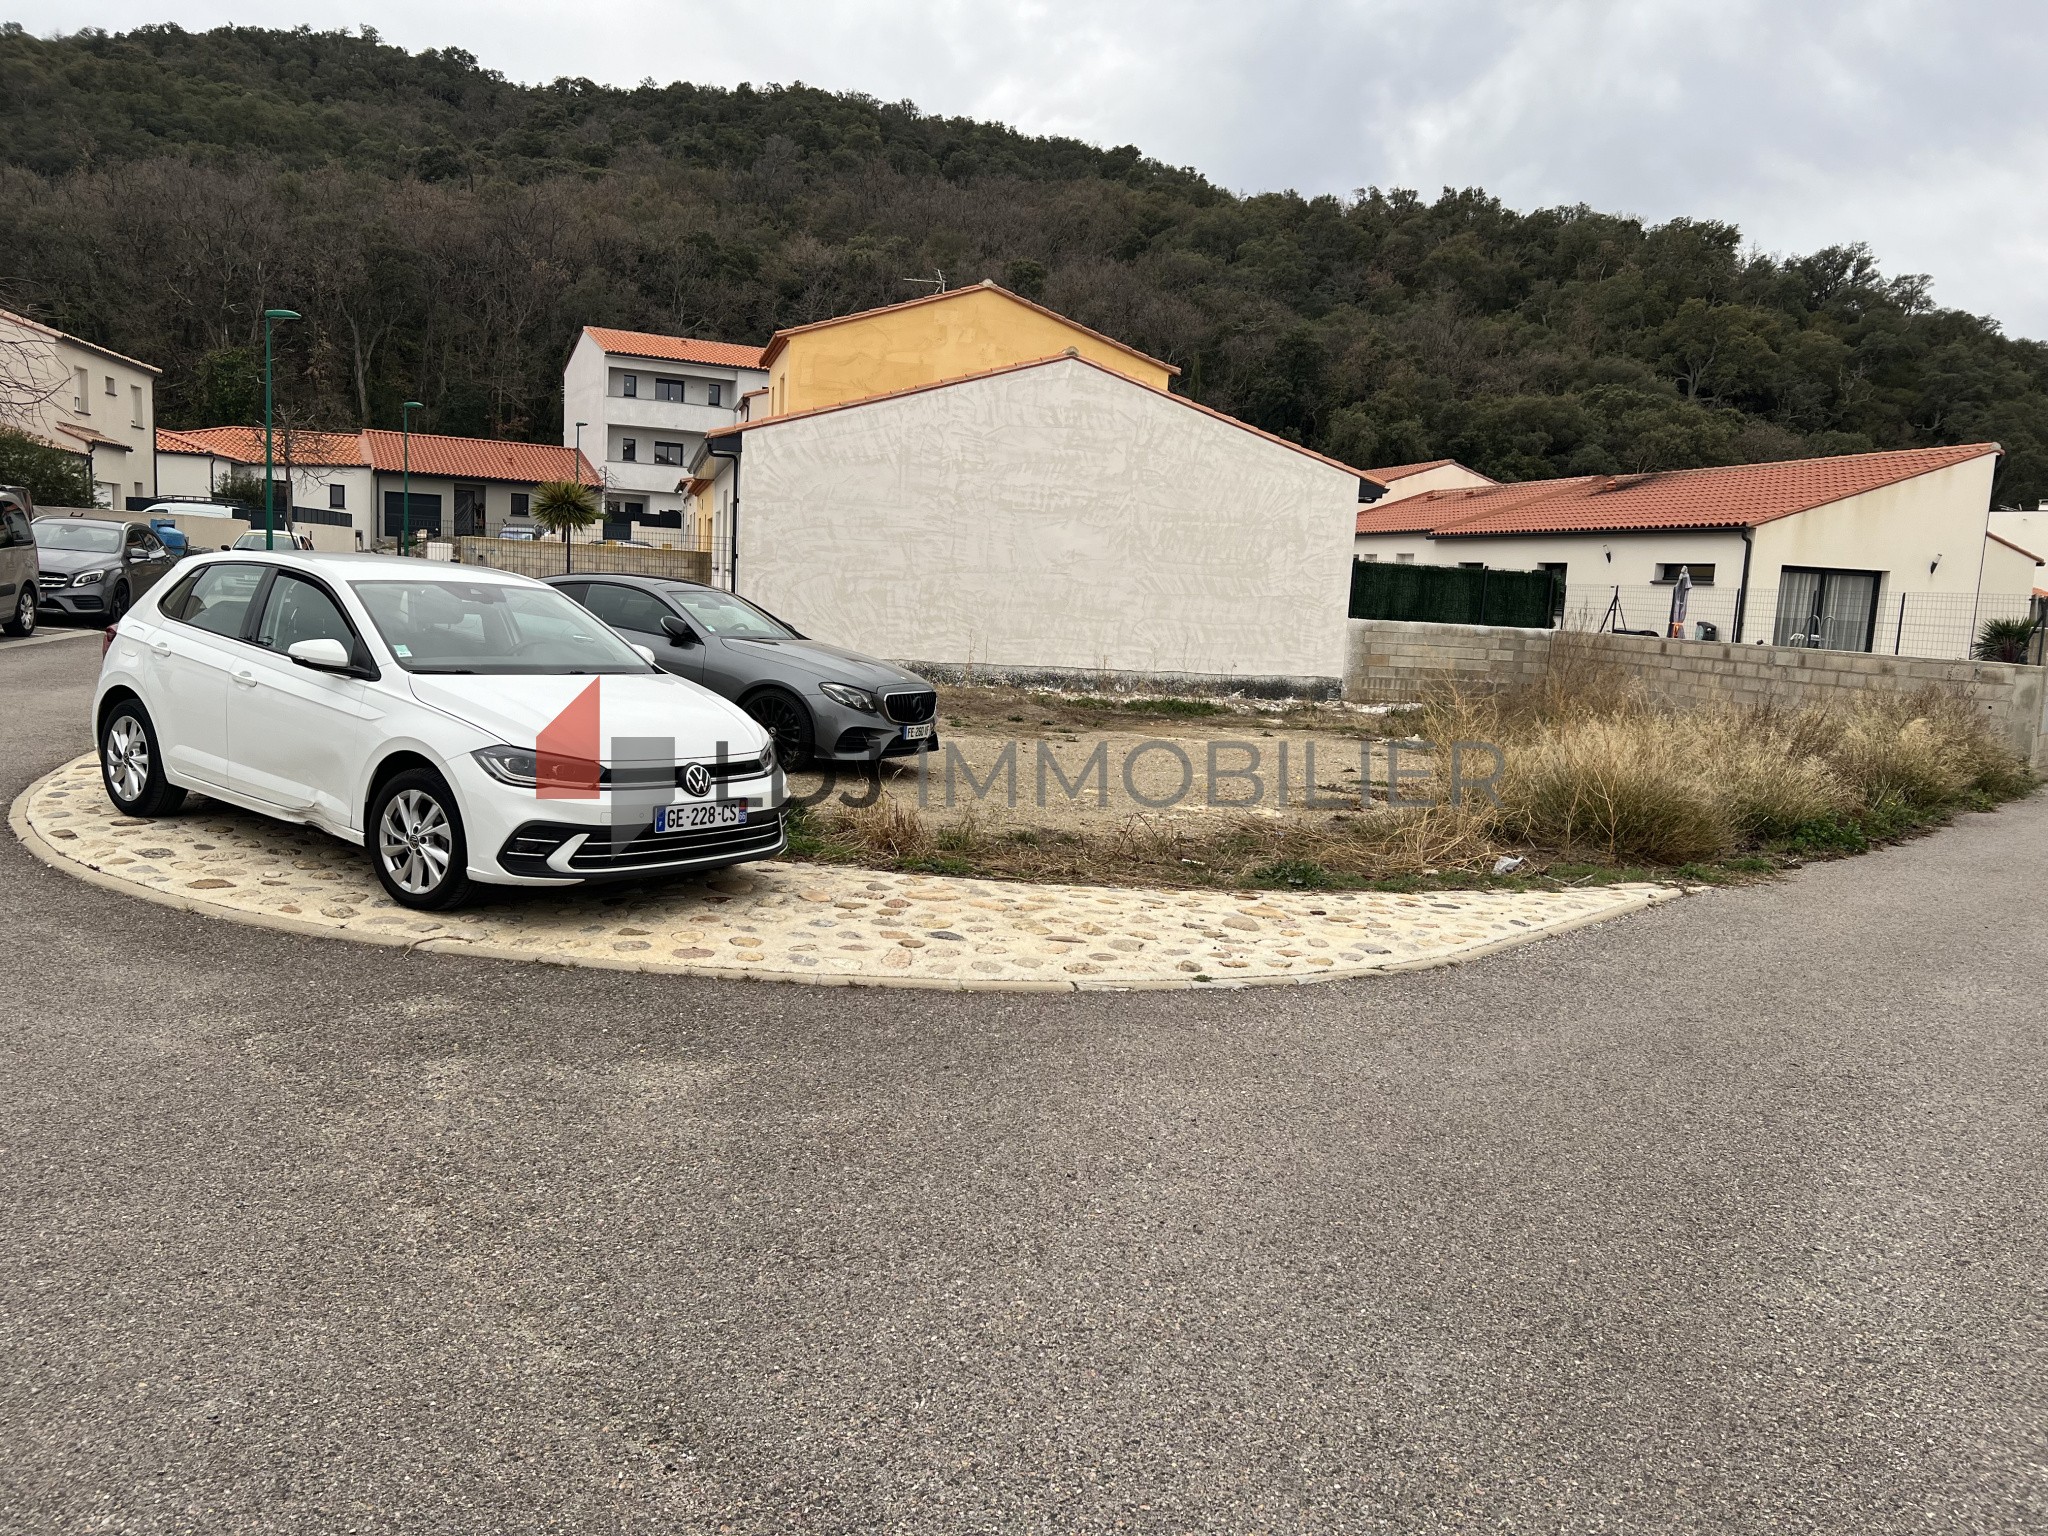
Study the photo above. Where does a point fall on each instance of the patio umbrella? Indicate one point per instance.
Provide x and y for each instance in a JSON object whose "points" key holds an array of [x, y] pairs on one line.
{"points": [[1681, 594]]}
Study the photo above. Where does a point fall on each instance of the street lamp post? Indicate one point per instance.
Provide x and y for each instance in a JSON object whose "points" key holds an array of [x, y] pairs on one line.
{"points": [[405, 461], [270, 317], [568, 535]]}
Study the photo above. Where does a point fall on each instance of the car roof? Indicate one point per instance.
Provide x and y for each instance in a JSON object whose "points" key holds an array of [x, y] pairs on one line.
{"points": [[92, 522], [631, 578], [347, 564]]}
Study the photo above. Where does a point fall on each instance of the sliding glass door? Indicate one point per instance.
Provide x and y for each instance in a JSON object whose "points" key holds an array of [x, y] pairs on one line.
{"points": [[1829, 610]]}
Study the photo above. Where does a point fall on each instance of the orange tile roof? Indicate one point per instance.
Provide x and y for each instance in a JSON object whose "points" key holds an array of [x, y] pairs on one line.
{"points": [[781, 337], [1735, 496], [1037, 362], [245, 445], [459, 458], [477, 458], [675, 349], [1395, 472]]}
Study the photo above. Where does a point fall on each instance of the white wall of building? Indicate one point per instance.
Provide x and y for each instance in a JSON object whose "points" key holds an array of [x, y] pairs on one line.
{"points": [[594, 391], [1058, 516], [1445, 477]]}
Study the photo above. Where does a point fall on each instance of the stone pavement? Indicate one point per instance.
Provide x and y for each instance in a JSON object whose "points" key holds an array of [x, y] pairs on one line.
{"points": [[798, 922]]}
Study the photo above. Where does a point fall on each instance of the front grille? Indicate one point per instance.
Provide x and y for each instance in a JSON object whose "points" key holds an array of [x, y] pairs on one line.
{"points": [[911, 708], [527, 850], [732, 768], [52, 583]]}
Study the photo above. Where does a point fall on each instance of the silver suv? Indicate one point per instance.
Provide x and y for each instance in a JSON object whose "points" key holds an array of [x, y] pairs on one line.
{"points": [[17, 562]]}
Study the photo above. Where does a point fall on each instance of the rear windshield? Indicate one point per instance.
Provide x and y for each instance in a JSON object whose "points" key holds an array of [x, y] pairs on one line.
{"points": [[473, 626], [96, 538]]}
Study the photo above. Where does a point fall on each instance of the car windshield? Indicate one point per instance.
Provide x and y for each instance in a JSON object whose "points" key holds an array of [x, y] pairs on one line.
{"points": [[720, 613], [475, 626], [97, 538]]}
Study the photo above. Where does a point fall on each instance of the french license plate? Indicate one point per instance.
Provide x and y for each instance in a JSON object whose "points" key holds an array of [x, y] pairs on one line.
{"points": [[699, 818], [917, 732]]}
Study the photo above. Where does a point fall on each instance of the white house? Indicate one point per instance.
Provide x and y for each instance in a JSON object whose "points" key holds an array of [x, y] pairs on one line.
{"points": [[1861, 552], [83, 399], [460, 485], [1397, 482], [644, 403], [1050, 516]]}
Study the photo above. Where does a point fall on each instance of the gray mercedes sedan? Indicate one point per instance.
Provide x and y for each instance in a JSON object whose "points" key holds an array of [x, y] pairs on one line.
{"points": [[820, 702]]}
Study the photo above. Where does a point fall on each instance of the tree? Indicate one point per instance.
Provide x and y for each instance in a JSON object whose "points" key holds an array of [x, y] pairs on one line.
{"points": [[564, 506], [53, 477]]}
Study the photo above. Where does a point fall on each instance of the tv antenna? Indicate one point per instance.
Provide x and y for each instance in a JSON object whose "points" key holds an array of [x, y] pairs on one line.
{"points": [[936, 283]]}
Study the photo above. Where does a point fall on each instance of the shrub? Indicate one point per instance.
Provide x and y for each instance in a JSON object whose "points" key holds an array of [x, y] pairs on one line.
{"points": [[2004, 640], [1626, 787], [54, 478]]}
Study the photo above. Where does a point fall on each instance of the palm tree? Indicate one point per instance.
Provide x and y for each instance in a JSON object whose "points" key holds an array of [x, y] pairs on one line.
{"points": [[566, 506], [2005, 640]]}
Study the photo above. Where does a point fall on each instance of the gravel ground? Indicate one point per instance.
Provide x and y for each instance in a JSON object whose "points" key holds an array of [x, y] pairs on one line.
{"points": [[1726, 1218]]}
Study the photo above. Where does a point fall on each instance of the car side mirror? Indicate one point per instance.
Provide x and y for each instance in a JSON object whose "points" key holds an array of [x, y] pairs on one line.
{"points": [[677, 630], [321, 655]]}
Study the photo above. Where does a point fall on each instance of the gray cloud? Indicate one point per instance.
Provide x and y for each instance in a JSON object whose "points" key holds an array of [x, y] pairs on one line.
{"points": [[1918, 128]]}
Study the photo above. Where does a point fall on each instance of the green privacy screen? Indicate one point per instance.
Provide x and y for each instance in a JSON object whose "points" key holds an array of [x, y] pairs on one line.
{"points": [[1452, 594]]}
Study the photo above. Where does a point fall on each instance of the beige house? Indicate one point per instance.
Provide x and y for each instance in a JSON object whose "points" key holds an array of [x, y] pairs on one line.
{"points": [[84, 399]]}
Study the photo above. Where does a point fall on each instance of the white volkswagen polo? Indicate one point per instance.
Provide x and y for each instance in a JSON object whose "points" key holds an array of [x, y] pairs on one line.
{"points": [[464, 724]]}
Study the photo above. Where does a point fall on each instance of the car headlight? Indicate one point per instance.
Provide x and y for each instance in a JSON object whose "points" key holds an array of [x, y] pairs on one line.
{"points": [[510, 765], [88, 578], [851, 697]]}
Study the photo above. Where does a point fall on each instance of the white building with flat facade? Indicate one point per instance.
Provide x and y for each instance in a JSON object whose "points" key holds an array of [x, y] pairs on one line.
{"points": [[646, 402], [81, 398]]}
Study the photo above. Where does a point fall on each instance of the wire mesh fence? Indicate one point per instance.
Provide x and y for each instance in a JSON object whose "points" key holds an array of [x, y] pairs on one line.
{"points": [[1821, 615]]}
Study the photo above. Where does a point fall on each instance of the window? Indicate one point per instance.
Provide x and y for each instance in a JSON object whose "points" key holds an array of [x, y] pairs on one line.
{"points": [[137, 537], [337, 496], [1404, 559], [1702, 575], [297, 610], [626, 607], [14, 527], [671, 390], [629, 385], [520, 502], [138, 490], [1471, 565], [721, 613], [113, 389], [629, 450], [717, 394], [218, 602], [1370, 559], [81, 403], [1830, 610], [135, 411], [668, 453], [491, 628]]}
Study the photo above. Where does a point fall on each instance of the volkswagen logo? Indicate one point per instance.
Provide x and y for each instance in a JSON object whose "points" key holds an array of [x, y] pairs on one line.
{"points": [[697, 780]]}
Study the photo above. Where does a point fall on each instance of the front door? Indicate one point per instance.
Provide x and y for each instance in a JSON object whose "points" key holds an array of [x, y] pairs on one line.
{"points": [[469, 511], [297, 737]]}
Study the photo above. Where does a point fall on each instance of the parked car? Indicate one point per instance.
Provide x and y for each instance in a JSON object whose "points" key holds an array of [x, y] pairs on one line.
{"points": [[18, 563], [95, 567], [818, 701], [404, 709], [176, 508], [283, 539], [519, 531]]}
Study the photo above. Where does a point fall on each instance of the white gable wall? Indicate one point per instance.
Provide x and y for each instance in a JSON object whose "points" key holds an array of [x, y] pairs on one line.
{"points": [[1058, 517]]}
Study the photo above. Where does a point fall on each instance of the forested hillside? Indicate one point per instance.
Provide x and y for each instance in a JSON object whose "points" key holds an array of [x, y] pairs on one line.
{"points": [[446, 231]]}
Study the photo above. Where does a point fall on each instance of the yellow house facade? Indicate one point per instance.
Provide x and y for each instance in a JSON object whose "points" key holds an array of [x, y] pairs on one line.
{"points": [[929, 341]]}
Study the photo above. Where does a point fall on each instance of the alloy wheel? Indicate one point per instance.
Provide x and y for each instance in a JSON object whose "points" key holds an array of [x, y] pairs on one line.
{"points": [[127, 757], [25, 612], [784, 722], [415, 842]]}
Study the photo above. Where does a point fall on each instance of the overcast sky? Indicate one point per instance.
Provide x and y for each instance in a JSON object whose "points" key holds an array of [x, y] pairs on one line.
{"points": [[1919, 128]]}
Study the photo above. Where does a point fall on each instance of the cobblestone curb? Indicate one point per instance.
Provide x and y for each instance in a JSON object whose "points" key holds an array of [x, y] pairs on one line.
{"points": [[822, 924]]}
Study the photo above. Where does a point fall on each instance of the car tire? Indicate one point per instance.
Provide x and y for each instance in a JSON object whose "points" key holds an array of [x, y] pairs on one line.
{"points": [[788, 723], [132, 765], [416, 843], [117, 605], [23, 624]]}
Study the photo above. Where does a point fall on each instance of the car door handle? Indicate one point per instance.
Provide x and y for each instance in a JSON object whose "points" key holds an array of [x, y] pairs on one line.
{"points": [[245, 679], [162, 648]]}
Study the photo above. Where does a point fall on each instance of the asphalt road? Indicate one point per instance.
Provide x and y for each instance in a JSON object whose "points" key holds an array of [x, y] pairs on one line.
{"points": [[1724, 1218]]}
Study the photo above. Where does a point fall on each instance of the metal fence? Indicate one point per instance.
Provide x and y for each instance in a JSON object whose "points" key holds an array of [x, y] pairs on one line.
{"points": [[1936, 626], [1453, 594]]}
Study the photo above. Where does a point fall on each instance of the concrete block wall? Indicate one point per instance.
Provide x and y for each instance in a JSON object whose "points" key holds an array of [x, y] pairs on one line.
{"points": [[1389, 662]]}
